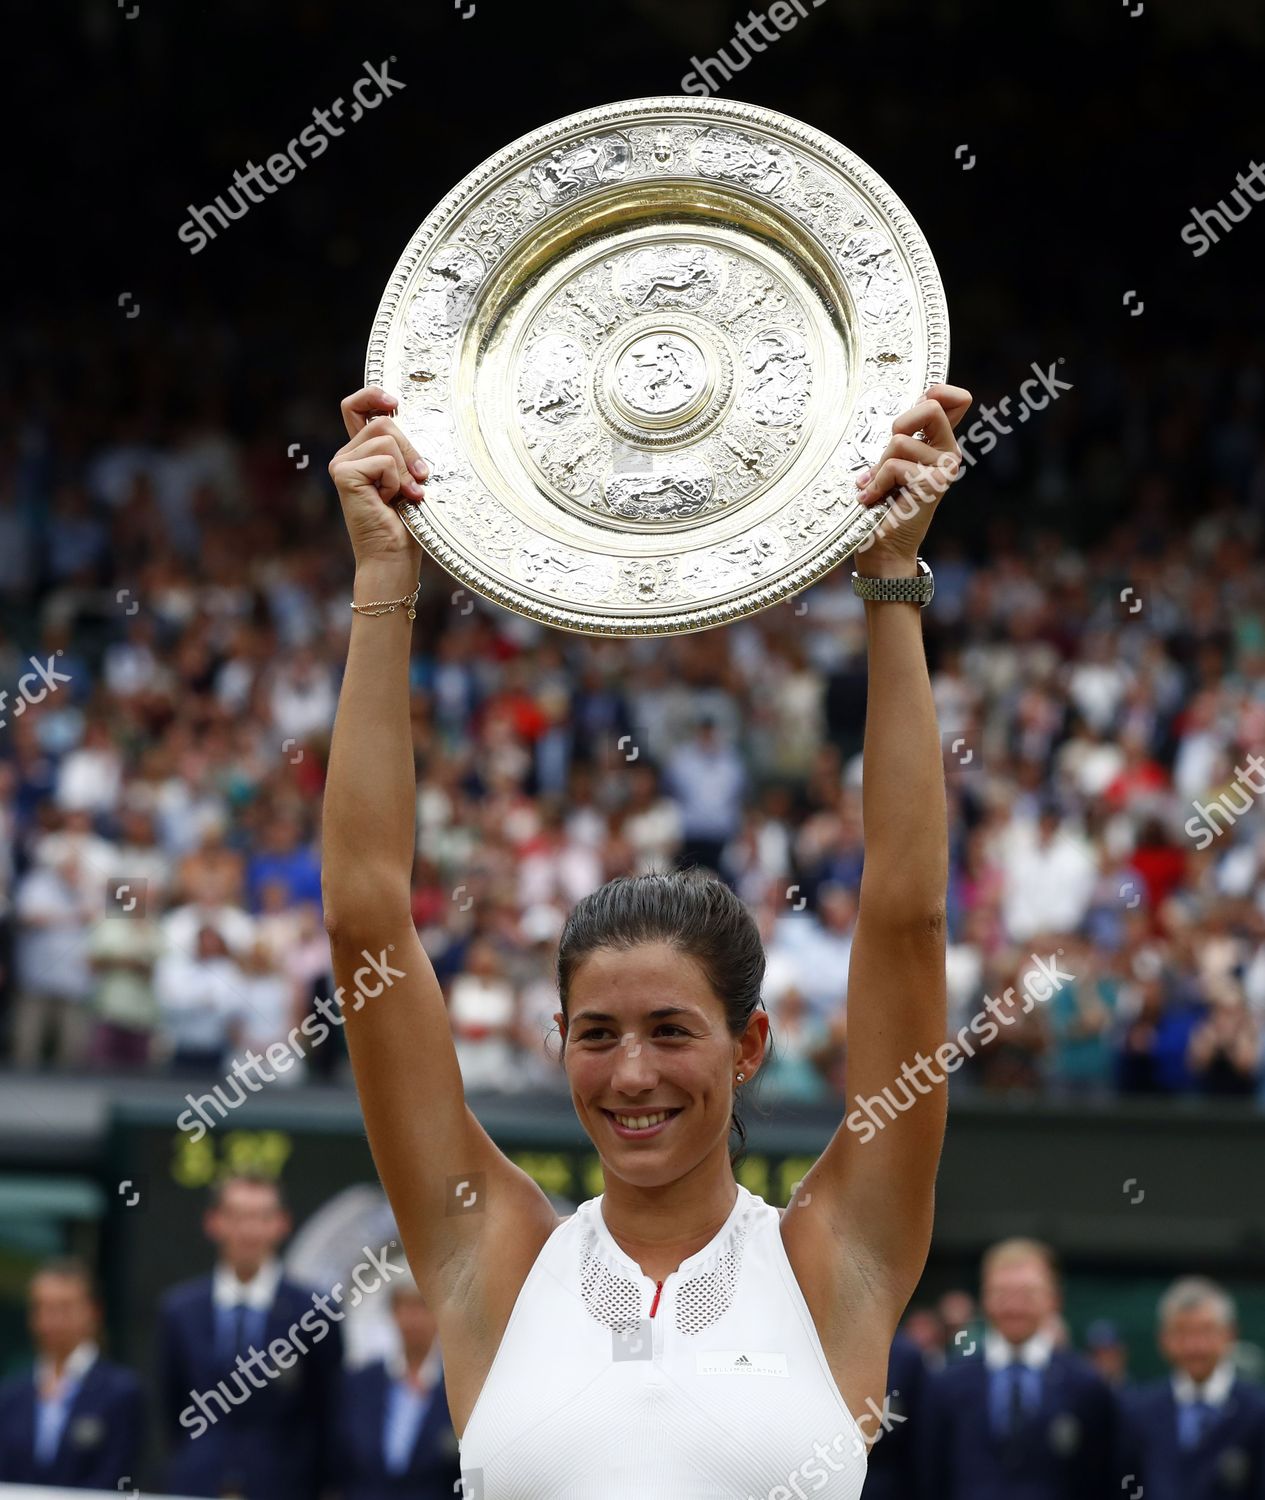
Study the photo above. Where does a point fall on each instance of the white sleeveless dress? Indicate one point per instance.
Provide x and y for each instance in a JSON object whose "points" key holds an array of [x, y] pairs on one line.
{"points": [[723, 1392]]}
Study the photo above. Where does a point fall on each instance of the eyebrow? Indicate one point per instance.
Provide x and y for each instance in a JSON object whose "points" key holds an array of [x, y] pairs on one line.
{"points": [[655, 1015]]}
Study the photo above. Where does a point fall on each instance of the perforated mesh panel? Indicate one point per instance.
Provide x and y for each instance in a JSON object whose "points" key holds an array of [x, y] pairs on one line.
{"points": [[705, 1297], [612, 1299]]}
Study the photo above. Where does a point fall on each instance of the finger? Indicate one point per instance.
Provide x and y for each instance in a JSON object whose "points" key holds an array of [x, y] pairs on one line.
{"points": [[365, 404], [955, 400], [929, 418], [378, 473], [370, 441], [414, 463], [939, 467], [901, 473]]}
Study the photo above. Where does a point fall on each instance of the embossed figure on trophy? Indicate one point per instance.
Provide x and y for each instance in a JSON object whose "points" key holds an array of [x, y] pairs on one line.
{"points": [[567, 463], [442, 300], [750, 461], [722, 154], [879, 278], [663, 378], [551, 383], [875, 410], [756, 291], [669, 276], [660, 373], [778, 394], [670, 494], [564, 172], [602, 319]]}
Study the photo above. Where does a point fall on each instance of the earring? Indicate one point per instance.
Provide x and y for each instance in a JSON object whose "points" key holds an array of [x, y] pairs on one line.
{"points": [[740, 1077]]}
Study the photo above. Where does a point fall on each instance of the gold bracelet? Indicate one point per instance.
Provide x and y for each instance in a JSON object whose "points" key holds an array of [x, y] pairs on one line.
{"points": [[389, 606]]}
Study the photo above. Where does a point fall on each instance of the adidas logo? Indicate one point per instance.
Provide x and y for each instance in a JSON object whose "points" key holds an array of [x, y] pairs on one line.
{"points": [[741, 1360]]}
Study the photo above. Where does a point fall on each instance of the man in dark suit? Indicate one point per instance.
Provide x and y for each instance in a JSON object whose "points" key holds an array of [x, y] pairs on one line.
{"points": [[76, 1420], [395, 1434], [891, 1472], [1198, 1434], [1019, 1418], [234, 1433]]}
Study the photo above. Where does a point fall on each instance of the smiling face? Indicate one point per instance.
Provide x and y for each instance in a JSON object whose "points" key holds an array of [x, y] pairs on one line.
{"points": [[647, 1038]]}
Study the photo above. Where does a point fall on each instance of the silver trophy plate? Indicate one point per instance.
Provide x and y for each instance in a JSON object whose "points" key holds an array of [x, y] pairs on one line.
{"points": [[645, 350]]}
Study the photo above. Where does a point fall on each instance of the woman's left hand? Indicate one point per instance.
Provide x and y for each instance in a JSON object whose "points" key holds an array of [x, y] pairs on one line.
{"points": [[923, 468]]}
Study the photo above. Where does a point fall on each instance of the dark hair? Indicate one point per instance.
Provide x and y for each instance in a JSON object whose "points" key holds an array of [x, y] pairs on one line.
{"points": [[217, 1190], [72, 1268], [699, 915]]}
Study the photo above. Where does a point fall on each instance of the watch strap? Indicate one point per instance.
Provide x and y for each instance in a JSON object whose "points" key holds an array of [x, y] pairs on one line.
{"points": [[916, 590]]}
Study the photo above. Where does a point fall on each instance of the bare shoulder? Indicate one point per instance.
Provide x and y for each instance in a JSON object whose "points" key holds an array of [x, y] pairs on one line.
{"points": [[484, 1285]]}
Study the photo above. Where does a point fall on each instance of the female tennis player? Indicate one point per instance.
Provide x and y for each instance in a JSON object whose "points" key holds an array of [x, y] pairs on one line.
{"points": [[676, 1336]]}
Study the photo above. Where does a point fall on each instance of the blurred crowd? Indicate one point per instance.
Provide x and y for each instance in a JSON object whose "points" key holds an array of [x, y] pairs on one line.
{"points": [[175, 621]]}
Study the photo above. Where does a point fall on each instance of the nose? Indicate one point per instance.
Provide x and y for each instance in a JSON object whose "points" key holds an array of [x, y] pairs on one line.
{"points": [[634, 1070]]}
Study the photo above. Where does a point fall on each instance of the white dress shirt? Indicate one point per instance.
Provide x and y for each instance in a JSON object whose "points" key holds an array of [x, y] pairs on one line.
{"points": [[1213, 1391], [1035, 1352], [80, 1360], [257, 1293]]}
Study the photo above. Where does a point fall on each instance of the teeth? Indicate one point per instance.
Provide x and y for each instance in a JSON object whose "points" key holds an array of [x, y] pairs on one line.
{"points": [[641, 1122]]}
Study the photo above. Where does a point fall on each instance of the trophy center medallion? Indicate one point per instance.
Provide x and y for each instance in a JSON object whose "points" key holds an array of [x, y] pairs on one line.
{"points": [[661, 378]]}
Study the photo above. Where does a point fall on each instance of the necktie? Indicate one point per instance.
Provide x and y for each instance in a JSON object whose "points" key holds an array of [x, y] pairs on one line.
{"points": [[1193, 1419], [241, 1329], [1015, 1404]]}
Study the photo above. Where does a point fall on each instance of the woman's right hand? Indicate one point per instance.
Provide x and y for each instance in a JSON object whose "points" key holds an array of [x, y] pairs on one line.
{"points": [[377, 466]]}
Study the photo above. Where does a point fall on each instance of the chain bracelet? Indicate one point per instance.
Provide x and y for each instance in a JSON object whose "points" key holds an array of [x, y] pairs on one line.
{"points": [[389, 606]]}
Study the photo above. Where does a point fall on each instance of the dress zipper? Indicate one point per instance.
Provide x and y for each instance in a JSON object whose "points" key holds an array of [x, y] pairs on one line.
{"points": [[658, 1287]]}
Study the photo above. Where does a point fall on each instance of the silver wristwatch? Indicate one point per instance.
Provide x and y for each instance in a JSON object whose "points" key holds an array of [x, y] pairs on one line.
{"points": [[917, 590]]}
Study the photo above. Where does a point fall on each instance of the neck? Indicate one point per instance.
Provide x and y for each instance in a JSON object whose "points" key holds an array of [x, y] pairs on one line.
{"points": [[247, 1272], [661, 1226]]}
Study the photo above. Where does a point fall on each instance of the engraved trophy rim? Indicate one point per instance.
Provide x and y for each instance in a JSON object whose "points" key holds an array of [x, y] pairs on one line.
{"points": [[465, 563]]}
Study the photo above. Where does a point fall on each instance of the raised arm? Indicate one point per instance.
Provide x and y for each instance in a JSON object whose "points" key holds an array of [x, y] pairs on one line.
{"points": [[423, 1136], [875, 1180]]}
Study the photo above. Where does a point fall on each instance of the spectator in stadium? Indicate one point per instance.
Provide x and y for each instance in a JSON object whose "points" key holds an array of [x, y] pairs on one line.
{"points": [[123, 951], [1225, 1049], [284, 857], [794, 1068], [278, 1443], [77, 1420], [200, 1001], [649, 821], [924, 1329], [958, 1313], [269, 1008], [1021, 1418], [1081, 1020], [1199, 1433], [1050, 874], [707, 778], [483, 1013], [55, 908], [1107, 1352], [395, 1436], [1014, 1059]]}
